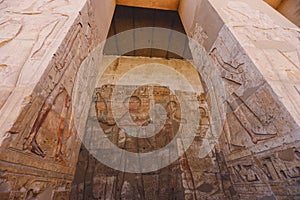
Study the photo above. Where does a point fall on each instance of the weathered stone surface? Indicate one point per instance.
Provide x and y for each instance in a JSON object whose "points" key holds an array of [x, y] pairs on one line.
{"points": [[250, 102], [42, 45], [187, 178], [254, 62]]}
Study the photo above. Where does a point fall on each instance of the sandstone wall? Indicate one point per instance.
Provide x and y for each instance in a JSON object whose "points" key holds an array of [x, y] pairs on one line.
{"points": [[251, 82], [254, 57], [42, 45], [188, 177]]}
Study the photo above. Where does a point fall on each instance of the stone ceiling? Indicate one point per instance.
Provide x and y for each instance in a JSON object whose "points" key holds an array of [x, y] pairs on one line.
{"points": [[128, 18]]}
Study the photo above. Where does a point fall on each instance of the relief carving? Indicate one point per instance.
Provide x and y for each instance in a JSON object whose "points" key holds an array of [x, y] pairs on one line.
{"points": [[34, 188], [9, 30], [204, 116], [31, 140], [245, 173], [136, 113], [284, 165], [240, 89], [271, 173], [45, 124], [44, 34], [62, 123]]}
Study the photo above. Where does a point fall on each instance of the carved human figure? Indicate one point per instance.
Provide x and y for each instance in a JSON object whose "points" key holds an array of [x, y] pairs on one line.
{"points": [[31, 141], [103, 109], [131, 116], [173, 119], [129, 122], [64, 112]]}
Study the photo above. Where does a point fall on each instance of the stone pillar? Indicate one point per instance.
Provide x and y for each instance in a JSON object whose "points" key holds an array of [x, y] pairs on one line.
{"points": [[254, 62], [42, 45]]}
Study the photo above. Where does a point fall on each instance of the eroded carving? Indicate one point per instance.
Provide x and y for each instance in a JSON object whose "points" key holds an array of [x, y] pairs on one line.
{"points": [[241, 88], [137, 106], [61, 128], [40, 71], [184, 179], [44, 33], [9, 30], [31, 140]]}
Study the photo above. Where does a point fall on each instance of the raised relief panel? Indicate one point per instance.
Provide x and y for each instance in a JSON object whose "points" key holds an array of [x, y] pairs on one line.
{"points": [[240, 89], [184, 179], [39, 159], [139, 103], [256, 126], [278, 173], [255, 115], [245, 173], [9, 31]]}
